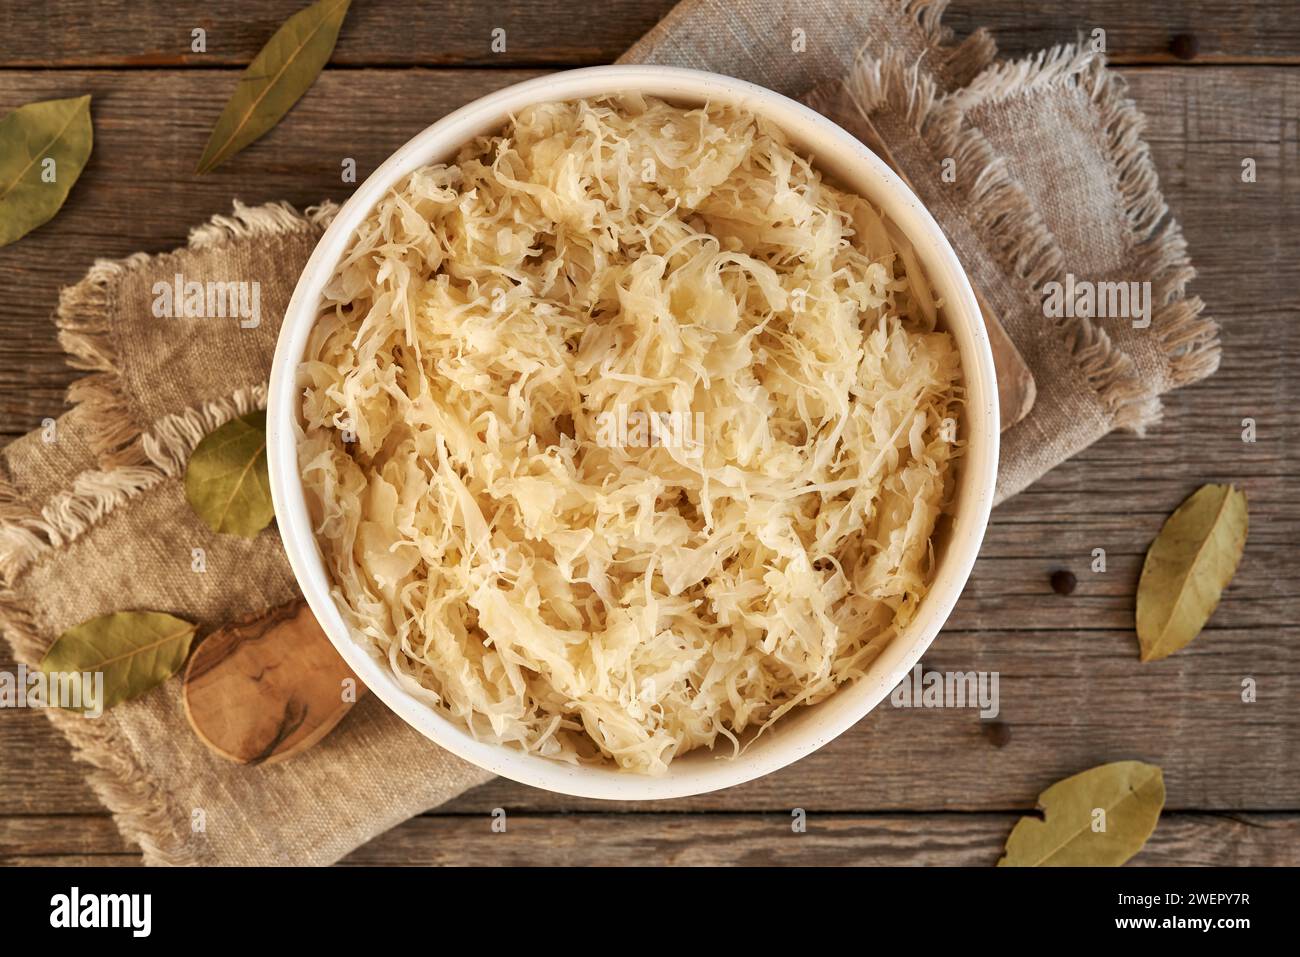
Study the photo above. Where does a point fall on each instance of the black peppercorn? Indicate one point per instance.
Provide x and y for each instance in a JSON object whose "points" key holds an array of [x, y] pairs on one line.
{"points": [[1063, 582], [998, 732], [1185, 46]]}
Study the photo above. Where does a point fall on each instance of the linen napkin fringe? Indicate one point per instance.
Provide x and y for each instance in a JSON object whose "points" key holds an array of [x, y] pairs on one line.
{"points": [[86, 332], [1026, 246], [133, 459]]}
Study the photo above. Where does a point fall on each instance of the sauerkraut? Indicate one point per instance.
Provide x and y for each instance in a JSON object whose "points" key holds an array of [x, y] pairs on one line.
{"points": [[627, 432]]}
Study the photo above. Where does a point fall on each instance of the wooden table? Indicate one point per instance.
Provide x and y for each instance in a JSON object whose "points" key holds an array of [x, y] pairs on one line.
{"points": [[903, 786]]}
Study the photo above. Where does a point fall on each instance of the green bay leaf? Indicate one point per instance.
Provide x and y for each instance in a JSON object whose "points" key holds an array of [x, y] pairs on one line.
{"points": [[1187, 567], [226, 481], [279, 75], [1097, 818], [43, 149], [135, 650]]}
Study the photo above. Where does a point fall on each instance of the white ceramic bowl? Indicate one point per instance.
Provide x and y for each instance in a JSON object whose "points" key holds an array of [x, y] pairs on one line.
{"points": [[854, 167]]}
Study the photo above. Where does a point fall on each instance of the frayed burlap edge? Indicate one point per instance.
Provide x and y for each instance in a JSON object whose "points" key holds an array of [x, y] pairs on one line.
{"points": [[139, 807], [951, 61], [134, 457], [997, 207], [1188, 340], [86, 333], [957, 61], [27, 533]]}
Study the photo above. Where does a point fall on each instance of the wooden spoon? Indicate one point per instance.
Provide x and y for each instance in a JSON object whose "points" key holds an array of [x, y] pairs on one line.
{"points": [[267, 686]]}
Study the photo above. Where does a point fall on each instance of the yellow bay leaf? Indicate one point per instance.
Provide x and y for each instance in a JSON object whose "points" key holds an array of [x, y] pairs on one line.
{"points": [[279, 75], [1097, 818], [43, 149], [134, 650], [1187, 567], [226, 480]]}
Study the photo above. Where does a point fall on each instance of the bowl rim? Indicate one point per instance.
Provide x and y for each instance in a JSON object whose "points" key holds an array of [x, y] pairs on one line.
{"points": [[689, 774]]}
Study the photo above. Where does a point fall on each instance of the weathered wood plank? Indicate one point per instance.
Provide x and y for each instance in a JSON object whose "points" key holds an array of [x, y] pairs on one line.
{"points": [[1171, 31], [407, 32], [149, 132], [1073, 693], [1068, 700], [74, 860], [748, 840], [43, 835], [68, 33], [701, 839], [41, 773]]}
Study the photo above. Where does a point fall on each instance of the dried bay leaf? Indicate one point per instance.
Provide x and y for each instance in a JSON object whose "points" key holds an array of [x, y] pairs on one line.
{"points": [[226, 481], [1187, 567], [1122, 800], [279, 75], [135, 650], [43, 149]]}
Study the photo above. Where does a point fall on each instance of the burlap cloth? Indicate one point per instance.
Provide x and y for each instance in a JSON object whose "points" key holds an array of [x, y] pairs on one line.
{"points": [[1051, 177]]}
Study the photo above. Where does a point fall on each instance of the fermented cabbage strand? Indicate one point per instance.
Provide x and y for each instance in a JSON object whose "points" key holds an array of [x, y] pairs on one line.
{"points": [[501, 525]]}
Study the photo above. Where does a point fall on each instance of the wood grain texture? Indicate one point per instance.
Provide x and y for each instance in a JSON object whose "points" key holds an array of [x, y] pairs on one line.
{"points": [[1068, 699], [69, 33], [406, 32], [267, 687], [150, 127], [831, 840], [1164, 32], [701, 840], [904, 786]]}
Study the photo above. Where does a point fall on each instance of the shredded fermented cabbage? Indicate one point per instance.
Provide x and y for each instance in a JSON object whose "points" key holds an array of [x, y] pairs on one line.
{"points": [[627, 431]]}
